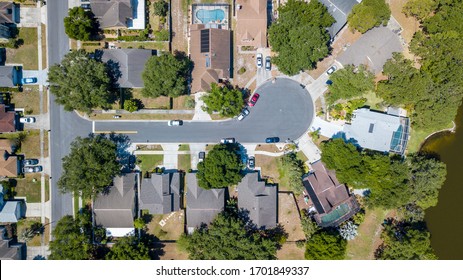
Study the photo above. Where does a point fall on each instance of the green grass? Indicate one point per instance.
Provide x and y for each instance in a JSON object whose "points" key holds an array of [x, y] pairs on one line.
{"points": [[373, 101], [29, 99], [184, 162], [302, 156], [26, 187], [184, 147], [162, 46], [149, 162], [417, 137], [26, 54], [26, 223]]}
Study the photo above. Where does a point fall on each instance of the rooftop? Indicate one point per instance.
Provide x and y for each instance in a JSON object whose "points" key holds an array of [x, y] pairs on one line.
{"points": [[112, 13], [251, 23], [160, 194], [339, 9]]}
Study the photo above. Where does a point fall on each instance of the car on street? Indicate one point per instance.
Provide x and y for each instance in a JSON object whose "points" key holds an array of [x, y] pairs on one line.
{"points": [[27, 120], [272, 140], [251, 162], [253, 99], [86, 7], [259, 58], [175, 123], [227, 141], [31, 161], [201, 156], [243, 114], [331, 70], [268, 64], [30, 80], [33, 169]]}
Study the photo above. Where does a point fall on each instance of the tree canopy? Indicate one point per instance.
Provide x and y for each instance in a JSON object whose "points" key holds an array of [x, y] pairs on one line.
{"points": [[369, 14], [299, 35], [227, 101], [293, 169], [166, 75], [90, 166], [350, 82], [128, 248], [326, 244], [160, 8], [80, 24], [80, 82], [221, 168], [421, 9]]}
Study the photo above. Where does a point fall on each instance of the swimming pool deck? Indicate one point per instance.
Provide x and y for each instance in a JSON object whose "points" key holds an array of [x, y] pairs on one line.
{"points": [[209, 13]]}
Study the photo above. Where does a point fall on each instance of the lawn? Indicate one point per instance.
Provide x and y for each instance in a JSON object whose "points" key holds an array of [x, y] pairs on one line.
{"points": [[44, 46], [27, 53], [36, 240], [173, 228], [29, 99], [27, 187], [184, 162], [268, 148], [162, 102], [152, 147], [30, 147], [149, 162], [184, 147], [171, 252], [417, 137], [160, 46], [288, 216], [373, 101], [289, 251], [269, 167], [143, 117]]}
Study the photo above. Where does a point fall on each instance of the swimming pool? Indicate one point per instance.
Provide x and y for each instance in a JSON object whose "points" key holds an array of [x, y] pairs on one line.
{"points": [[207, 16], [337, 213]]}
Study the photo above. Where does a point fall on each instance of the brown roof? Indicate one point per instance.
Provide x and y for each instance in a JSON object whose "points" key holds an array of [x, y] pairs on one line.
{"points": [[210, 53], [7, 120], [8, 163], [6, 12], [251, 23]]}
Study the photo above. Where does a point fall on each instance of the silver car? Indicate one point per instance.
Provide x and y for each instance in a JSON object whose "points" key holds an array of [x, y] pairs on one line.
{"points": [[243, 114], [259, 60]]}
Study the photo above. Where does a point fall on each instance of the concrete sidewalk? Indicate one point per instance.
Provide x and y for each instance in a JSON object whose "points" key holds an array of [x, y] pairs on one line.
{"points": [[199, 113], [170, 152]]}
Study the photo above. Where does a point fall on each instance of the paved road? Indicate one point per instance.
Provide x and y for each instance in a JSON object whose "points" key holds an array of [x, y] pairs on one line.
{"points": [[284, 110]]}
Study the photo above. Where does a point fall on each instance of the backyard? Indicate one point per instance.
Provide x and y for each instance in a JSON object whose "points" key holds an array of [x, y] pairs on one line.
{"points": [[172, 228]]}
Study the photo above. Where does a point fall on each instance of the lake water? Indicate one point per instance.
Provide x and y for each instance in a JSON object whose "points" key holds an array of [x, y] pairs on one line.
{"points": [[445, 221]]}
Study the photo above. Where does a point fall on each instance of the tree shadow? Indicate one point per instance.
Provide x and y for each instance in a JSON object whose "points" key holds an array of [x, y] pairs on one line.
{"points": [[124, 156], [156, 248]]}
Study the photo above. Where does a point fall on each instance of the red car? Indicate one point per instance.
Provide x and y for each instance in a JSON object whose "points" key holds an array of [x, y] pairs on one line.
{"points": [[253, 99]]}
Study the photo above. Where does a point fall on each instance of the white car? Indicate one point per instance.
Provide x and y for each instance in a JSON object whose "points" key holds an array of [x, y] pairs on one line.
{"points": [[259, 60], [243, 114], [27, 120], [331, 70], [227, 141], [175, 123]]}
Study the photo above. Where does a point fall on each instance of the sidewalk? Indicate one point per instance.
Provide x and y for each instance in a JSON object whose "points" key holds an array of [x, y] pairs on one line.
{"points": [[199, 113]]}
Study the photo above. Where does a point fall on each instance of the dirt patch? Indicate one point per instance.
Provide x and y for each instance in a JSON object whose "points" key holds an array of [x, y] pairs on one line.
{"points": [[244, 69], [269, 167], [179, 16], [172, 229], [288, 216], [289, 251], [171, 252]]}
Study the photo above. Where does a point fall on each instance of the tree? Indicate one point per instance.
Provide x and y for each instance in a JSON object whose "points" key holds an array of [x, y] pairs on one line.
{"points": [[80, 24], [80, 82], [227, 101], [131, 105], [420, 9], [221, 168], [161, 8], [299, 35], [350, 82], [326, 245], [309, 226], [369, 14], [128, 248], [293, 170], [229, 237], [165, 75], [139, 223], [90, 166]]}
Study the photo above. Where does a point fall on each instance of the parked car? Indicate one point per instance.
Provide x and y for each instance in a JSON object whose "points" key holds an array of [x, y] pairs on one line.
{"points": [[253, 99], [30, 80], [175, 123], [268, 64], [33, 169], [243, 114], [251, 162], [85, 6], [329, 82], [117, 116], [227, 141], [27, 120], [201, 156], [259, 60], [272, 140], [31, 161], [331, 70]]}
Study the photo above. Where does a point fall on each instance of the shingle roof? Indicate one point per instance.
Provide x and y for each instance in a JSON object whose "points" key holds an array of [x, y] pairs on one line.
{"points": [[251, 23], [6, 12], [160, 194], [8, 162], [116, 209], [9, 251], [259, 199], [7, 76], [10, 212], [130, 63], [339, 9], [112, 13], [202, 206]]}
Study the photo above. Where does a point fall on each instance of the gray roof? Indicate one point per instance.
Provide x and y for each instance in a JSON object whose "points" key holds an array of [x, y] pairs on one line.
{"points": [[116, 209], [112, 13], [9, 251], [11, 212], [130, 63], [6, 76], [202, 206], [259, 199], [160, 194], [339, 9], [373, 49], [378, 131]]}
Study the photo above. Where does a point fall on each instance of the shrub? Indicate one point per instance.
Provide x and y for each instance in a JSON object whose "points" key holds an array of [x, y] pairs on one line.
{"points": [[161, 8]]}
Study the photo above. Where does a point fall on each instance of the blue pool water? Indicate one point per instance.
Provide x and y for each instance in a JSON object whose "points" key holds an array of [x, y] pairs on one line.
{"points": [[207, 16]]}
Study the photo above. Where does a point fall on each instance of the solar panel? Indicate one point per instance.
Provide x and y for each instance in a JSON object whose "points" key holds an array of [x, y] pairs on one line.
{"points": [[204, 40], [372, 126]]}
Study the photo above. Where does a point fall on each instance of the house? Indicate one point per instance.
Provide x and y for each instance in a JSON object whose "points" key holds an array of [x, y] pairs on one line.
{"points": [[259, 199], [202, 206], [5, 33], [160, 194], [115, 209], [10, 250], [9, 76], [340, 10], [129, 63], [9, 163], [115, 14], [251, 23], [331, 200], [7, 120], [210, 53], [384, 132], [9, 13], [11, 211]]}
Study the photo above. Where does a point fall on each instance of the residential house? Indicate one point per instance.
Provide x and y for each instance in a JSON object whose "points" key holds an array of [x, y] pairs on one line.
{"points": [[384, 132], [10, 76], [331, 200], [9, 13], [161, 193], [10, 250], [116, 14], [115, 209], [11, 211], [129, 64], [9, 163], [202, 206], [251, 23], [340, 10], [5, 33], [259, 199], [210, 53]]}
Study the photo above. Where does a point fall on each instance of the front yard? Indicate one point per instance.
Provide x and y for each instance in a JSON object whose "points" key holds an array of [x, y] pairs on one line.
{"points": [[149, 162], [30, 187], [29, 99], [27, 53]]}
